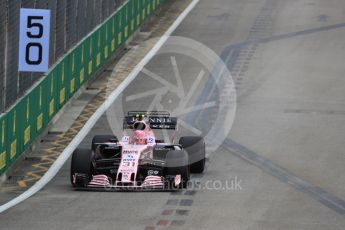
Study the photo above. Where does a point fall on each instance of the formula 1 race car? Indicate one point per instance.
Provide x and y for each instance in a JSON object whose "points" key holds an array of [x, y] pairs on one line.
{"points": [[139, 160]]}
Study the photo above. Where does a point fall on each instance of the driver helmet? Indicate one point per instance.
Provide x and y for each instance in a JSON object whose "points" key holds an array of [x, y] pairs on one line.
{"points": [[139, 137]]}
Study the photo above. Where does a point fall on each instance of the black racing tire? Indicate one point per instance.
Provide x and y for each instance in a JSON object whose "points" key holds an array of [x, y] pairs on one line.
{"points": [[81, 164], [176, 163], [195, 147], [101, 139]]}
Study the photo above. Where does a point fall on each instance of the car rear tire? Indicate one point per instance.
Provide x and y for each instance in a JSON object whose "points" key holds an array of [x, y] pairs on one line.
{"points": [[177, 164], [195, 147], [81, 165], [102, 139]]}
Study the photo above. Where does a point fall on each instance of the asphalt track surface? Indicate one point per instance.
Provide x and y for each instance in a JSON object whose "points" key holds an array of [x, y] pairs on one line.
{"points": [[280, 167]]}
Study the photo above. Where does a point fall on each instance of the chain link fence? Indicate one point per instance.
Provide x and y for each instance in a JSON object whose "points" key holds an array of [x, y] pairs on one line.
{"points": [[71, 21]]}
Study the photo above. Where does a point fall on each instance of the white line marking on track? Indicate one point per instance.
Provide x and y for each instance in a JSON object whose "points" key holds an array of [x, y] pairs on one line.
{"points": [[54, 169]]}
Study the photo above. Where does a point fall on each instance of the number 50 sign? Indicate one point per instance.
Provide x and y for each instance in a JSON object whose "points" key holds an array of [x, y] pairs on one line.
{"points": [[34, 40]]}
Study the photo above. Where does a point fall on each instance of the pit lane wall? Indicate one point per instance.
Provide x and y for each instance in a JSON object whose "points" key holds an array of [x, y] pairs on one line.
{"points": [[23, 122]]}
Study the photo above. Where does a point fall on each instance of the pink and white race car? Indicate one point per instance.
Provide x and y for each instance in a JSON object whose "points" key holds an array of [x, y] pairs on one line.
{"points": [[138, 160]]}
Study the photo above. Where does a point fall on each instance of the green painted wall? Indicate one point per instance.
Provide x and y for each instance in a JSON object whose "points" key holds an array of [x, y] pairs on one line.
{"points": [[21, 125]]}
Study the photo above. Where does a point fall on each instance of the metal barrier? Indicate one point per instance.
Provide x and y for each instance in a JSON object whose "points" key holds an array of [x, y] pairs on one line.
{"points": [[25, 120], [71, 20]]}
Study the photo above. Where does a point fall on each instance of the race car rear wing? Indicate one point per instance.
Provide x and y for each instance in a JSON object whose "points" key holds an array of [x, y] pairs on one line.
{"points": [[155, 119], [148, 113]]}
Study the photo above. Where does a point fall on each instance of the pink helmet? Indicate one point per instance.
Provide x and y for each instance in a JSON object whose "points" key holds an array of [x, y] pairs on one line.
{"points": [[139, 137]]}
